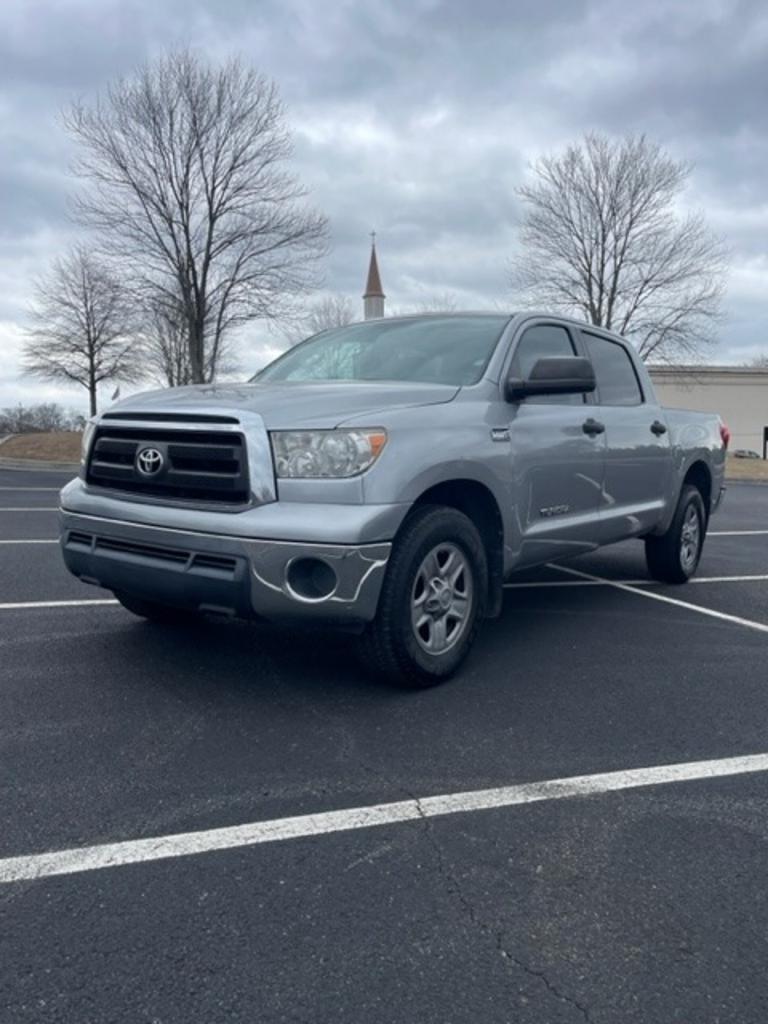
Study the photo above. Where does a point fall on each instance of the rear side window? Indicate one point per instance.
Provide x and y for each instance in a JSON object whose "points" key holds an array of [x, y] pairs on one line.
{"points": [[545, 341], [617, 382]]}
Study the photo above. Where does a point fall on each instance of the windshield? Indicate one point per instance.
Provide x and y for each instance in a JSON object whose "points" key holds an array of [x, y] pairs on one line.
{"points": [[435, 350]]}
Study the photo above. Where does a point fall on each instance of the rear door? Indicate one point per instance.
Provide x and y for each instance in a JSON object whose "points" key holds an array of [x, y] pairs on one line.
{"points": [[556, 465], [638, 453]]}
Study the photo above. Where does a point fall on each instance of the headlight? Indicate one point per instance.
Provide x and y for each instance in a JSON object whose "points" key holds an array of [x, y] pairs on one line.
{"points": [[325, 453], [90, 426]]}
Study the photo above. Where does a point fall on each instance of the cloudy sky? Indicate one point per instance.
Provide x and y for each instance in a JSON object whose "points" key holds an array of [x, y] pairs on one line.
{"points": [[414, 117]]}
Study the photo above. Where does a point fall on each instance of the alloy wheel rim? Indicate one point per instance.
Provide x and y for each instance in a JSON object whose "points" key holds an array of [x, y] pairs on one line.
{"points": [[690, 538], [442, 599]]}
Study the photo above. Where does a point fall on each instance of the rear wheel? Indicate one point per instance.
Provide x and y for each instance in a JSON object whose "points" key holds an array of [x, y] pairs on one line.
{"points": [[431, 601], [674, 557], [153, 611]]}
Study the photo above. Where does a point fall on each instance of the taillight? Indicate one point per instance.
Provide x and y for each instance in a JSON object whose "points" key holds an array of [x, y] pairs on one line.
{"points": [[725, 435]]}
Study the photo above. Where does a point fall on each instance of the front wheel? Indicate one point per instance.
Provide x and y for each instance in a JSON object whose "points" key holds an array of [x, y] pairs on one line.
{"points": [[674, 557], [431, 601]]}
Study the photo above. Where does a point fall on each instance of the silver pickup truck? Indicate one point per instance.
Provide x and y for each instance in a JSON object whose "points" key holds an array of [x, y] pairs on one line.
{"points": [[388, 477]]}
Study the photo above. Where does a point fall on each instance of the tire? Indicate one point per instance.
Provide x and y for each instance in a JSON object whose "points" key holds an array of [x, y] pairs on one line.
{"points": [[431, 602], [154, 612], [674, 556]]}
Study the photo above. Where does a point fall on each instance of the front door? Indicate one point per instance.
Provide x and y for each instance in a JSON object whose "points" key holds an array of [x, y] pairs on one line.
{"points": [[556, 461]]}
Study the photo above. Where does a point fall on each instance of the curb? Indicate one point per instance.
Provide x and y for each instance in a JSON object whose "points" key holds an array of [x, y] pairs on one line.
{"points": [[752, 481], [63, 467]]}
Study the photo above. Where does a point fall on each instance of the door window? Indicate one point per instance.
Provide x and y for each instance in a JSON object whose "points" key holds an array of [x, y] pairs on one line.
{"points": [[617, 382], [544, 341]]}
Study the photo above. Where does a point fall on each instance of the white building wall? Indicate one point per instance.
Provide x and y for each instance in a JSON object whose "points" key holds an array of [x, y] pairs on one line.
{"points": [[738, 395]]}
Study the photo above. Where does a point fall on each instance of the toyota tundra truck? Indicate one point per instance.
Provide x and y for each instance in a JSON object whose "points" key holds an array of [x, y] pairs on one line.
{"points": [[387, 478]]}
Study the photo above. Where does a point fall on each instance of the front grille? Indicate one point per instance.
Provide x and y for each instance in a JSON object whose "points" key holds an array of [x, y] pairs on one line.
{"points": [[198, 466], [184, 559]]}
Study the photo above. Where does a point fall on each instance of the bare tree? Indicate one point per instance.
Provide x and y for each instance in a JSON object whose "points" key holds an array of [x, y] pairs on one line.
{"points": [[439, 302], [331, 311], [759, 362], [166, 350], [166, 343], [80, 329], [323, 314], [188, 189], [601, 240]]}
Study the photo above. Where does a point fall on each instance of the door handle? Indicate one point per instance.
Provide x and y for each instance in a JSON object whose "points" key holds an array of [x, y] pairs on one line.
{"points": [[592, 427], [658, 428]]}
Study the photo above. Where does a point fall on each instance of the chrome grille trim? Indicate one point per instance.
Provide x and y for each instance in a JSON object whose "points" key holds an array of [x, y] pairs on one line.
{"points": [[202, 465], [262, 484]]}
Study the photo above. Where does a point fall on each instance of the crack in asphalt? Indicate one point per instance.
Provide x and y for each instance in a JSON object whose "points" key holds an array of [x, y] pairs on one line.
{"points": [[455, 889]]}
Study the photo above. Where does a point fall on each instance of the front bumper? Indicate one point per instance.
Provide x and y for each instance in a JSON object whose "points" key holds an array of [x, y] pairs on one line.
{"points": [[246, 577]]}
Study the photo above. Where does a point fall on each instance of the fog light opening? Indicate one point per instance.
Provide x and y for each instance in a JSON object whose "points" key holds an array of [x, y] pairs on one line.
{"points": [[310, 579]]}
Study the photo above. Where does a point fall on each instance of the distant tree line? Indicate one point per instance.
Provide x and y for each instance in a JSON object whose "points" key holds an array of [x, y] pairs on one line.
{"points": [[47, 417]]}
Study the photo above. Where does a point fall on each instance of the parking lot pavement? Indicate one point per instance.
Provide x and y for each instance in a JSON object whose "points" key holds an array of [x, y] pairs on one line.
{"points": [[28, 502], [40, 499], [609, 910], [37, 569], [32, 480], [16, 525], [646, 904]]}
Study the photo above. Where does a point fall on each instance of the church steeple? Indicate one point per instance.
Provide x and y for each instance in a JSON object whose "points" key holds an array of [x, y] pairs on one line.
{"points": [[373, 299]]}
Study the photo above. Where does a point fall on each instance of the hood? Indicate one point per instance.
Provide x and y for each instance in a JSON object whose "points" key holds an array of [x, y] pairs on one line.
{"points": [[283, 405]]}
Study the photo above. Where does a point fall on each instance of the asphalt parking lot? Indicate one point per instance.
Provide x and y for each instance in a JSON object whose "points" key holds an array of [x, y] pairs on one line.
{"points": [[638, 897]]}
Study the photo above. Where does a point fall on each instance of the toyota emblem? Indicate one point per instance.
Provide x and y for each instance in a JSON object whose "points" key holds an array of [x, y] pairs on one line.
{"points": [[149, 461]]}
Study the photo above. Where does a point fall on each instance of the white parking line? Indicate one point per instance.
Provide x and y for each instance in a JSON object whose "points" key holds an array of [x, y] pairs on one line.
{"points": [[726, 579], [31, 508], [566, 584], [28, 541], [761, 627], [15, 605], [30, 488], [598, 581], [737, 533], [185, 844]]}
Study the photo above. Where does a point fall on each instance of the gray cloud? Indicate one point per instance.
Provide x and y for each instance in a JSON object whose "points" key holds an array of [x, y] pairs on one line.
{"points": [[416, 117]]}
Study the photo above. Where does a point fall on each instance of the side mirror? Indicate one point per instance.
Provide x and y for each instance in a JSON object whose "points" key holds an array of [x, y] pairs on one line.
{"points": [[563, 375]]}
